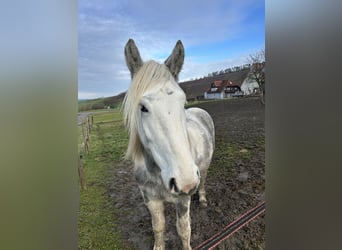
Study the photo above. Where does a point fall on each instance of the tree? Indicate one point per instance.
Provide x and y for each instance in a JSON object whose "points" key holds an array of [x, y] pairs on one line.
{"points": [[257, 72]]}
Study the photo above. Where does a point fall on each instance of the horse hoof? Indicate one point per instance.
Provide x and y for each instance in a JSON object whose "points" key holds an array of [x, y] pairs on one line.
{"points": [[203, 204]]}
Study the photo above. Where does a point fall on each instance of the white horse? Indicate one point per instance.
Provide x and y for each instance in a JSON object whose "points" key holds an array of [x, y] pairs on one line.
{"points": [[171, 147]]}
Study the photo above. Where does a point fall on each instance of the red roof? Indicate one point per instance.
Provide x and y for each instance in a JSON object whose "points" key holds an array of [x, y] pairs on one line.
{"points": [[220, 85]]}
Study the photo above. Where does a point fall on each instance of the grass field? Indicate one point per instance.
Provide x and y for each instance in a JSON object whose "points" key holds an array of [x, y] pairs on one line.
{"points": [[96, 221]]}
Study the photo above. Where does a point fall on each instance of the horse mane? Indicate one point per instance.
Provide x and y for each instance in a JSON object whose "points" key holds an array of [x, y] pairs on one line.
{"points": [[149, 75]]}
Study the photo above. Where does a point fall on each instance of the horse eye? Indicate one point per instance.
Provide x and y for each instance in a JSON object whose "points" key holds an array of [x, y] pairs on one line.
{"points": [[143, 109]]}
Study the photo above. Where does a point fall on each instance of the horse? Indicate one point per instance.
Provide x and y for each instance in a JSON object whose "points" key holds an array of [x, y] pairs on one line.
{"points": [[171, 147]]}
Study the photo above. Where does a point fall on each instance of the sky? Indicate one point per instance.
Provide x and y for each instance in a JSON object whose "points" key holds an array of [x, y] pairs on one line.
{"points": [[216, 35]]}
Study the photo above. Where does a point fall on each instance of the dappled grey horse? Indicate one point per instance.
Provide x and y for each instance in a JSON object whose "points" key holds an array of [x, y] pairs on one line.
{"points": [[171, 147]]}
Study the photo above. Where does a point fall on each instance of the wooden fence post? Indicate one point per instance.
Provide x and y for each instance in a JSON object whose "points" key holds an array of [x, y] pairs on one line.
{"points": [[81, 172], [88, 124], [86, 145], [83, 130], [86, 134]]}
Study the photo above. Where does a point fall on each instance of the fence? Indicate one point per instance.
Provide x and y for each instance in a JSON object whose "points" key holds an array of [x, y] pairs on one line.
{"points": [[87, 124]]}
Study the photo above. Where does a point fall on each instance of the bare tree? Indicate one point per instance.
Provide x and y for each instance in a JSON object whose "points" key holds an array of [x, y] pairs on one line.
{"points": [[257, 72]]}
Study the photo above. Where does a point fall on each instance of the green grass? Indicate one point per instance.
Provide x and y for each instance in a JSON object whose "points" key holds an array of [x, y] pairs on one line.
{"points": [[196, 103], [108, 116], [96, 223], [226, 154], [100, 103]]}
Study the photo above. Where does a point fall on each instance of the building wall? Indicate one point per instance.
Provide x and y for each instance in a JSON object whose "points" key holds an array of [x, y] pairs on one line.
{"points": [[228, 95], [220, 95], [212, 95], [248, 86]]}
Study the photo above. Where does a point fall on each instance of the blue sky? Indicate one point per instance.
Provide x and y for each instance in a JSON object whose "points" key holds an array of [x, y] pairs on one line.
{"points": [[216, 35]]}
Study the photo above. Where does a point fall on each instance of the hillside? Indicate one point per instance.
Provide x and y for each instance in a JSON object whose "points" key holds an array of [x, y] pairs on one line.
{"points": [[100, 103], [193, 89]]}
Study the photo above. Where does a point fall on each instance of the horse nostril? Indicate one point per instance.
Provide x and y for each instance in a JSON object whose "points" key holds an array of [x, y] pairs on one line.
{"points": [[173, 185], [198, 174]]}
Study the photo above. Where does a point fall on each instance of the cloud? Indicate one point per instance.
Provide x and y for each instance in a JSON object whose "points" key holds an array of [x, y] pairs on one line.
{"points": [[105, 27], [194, 69]]}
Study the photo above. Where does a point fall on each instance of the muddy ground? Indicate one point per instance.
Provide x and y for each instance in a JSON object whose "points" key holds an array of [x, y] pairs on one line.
{"points": [[235, 184]]}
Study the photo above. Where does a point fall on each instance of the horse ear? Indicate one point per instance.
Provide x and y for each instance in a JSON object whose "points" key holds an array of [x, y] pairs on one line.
{"points": [[175, 61], [133, 58]]}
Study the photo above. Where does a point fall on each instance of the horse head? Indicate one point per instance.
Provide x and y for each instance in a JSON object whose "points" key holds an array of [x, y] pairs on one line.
{"points": [[158, 116]]}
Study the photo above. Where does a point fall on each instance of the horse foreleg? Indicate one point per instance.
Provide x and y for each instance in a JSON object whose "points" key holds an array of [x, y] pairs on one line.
{"points": [[183, 223], [201, 190], [156, 208]]}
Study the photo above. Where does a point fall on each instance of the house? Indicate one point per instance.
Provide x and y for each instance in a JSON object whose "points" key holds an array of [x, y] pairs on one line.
{"points": [[194, 89], [250, 86], [220, 89]]}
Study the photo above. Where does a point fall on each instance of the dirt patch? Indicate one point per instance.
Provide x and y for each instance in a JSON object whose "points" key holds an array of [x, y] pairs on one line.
{"points": [[235, 184]]}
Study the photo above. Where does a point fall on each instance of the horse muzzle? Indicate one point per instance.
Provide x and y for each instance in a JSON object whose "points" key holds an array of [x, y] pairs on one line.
{"points": [[188, 189]]}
